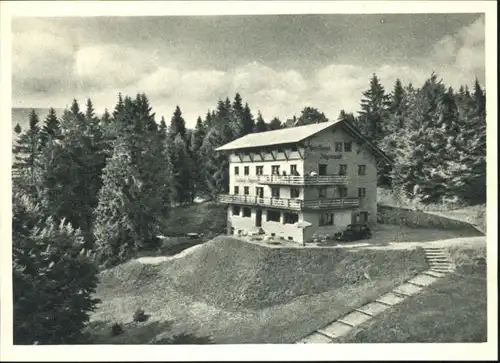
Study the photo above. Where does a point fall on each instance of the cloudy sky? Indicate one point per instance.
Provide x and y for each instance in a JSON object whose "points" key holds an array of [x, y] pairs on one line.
{"points": [[278, 63]]}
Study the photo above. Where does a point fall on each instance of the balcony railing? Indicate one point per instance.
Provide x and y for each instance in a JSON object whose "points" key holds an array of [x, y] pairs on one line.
{"points": [[295, 179], [295, 204]]}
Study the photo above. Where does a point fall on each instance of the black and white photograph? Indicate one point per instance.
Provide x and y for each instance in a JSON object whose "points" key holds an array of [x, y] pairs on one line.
{"points": [[280, 178]]}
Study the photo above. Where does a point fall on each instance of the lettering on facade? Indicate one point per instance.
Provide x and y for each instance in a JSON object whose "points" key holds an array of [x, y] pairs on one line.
{"points": [[319, 148], [328, 157]]}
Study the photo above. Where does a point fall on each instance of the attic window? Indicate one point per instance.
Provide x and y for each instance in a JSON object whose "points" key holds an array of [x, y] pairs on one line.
{"points": [[348, 146], [293, 147]]}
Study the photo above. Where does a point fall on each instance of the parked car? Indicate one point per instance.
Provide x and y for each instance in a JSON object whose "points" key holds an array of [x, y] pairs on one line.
{"points": [[354, 232]]}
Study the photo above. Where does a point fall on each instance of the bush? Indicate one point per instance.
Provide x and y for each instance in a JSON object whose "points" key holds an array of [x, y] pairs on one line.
{"points": [[116, 329], [140, 316], [53, 277]]}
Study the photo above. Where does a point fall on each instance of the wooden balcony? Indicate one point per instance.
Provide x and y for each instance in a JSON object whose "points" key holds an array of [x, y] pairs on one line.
{"points": [[294, 204], [299, 180]]}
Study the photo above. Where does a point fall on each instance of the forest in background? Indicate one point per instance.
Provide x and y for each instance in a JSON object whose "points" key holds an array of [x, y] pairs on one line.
{"points": [[89, 192]]}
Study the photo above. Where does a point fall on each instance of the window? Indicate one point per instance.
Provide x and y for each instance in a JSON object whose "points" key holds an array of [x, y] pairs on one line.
{"points": [[236, 189], [280, 150], [294, 192], [361, 192], [275, 192], [246, 190], [293, 147], [259, 170], [259, 191], [342, 191], [348, 146], [342, 169], [338, 147], [236, 170], [275, 170], [363, 216], [326, 219], [361, 169], [247, 212], [236, 210], [246, 170], [322, 169], [290, 218], [322, 192], [273, 216], [293, 170]]}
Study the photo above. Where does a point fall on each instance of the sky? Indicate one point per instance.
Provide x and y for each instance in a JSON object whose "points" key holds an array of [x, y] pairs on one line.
{"points": [[278, 63]]}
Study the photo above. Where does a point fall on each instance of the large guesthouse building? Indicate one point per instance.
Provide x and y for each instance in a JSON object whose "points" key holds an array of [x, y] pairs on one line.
{"points": [[297, 182]]}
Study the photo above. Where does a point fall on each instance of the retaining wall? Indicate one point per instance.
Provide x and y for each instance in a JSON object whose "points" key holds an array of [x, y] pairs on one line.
{"points": [[411, 218]]}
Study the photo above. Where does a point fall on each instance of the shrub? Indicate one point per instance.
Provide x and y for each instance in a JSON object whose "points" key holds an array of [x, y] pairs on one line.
{"points": [[116, 329], [53, 277], [139, 315]]}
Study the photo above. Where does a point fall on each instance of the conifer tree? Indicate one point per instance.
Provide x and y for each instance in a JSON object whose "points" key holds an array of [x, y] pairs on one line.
{"points": [[274, 124], [72, 170], [247, 121], [17, 129], [238, 116], [27, 153], [260, 125], [53, 277], [177, 125], [51, 129], [310, 115], [373, 114]]}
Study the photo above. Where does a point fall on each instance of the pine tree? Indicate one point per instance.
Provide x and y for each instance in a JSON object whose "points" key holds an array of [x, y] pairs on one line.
{"points": [[17, 129], [260, 125], [53, 277]]}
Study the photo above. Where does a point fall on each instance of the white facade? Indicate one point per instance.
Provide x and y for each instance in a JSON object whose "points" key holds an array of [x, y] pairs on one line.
{"points": [[309, 187]]}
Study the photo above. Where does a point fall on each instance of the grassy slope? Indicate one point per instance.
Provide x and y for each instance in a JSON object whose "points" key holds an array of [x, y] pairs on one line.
{"points": [[475, 214], [451, 310], [235, 292], [204, 218]]}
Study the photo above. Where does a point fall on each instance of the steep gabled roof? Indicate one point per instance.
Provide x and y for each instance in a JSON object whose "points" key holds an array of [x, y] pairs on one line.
{"points": [[299, 133], [276, 137]]}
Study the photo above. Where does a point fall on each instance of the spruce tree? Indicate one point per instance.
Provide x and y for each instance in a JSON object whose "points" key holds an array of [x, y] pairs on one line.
{"points": [[27, 153], [274, 124], [247, 120], [53, 277], [72, 170], [310, 115], [373, 114], [181, 171], [238, 116], [177, 125], [51, 129], [134, 198], [196, 143], [260, 125]]}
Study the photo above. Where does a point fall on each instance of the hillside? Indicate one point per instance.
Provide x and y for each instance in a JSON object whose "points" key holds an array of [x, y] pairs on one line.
{"points": [[236, 292]]}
